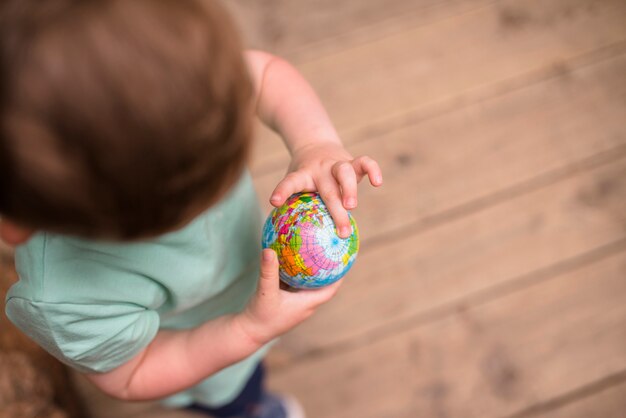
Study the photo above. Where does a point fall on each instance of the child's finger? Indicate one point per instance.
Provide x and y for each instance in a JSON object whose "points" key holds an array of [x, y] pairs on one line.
{"points": [[292, 183], [329, 191], [367, 166], [346, 177]]}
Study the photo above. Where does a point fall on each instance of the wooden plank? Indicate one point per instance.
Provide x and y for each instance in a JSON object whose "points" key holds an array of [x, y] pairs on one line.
{"points": [[485, 361], [301, 30], [399, 75], [438, 268], [445, 162]]}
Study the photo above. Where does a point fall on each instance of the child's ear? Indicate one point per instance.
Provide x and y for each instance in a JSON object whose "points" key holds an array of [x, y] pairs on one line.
{"points": [[14, 234]]}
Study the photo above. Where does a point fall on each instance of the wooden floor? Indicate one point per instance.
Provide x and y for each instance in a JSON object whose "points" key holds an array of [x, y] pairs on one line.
{"points": [[492, 276]]}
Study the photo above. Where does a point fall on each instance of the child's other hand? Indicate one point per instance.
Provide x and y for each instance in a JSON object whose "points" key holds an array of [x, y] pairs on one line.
{"points": [[271, 311], [331, 171]]}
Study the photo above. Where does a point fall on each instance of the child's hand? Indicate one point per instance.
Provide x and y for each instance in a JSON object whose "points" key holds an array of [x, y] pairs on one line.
{"points": [[331, 171], [271, 311]]}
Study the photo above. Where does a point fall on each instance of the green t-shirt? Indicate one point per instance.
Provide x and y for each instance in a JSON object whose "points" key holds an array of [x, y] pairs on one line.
{"points": [[95, 305]]}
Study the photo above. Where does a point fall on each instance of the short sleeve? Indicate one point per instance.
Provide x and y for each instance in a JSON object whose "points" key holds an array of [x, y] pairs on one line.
{"points": [[90, 338], [86, 303]]}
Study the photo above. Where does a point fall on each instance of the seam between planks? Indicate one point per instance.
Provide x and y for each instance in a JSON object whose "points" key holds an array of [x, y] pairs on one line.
{"points": [[582, 392]]}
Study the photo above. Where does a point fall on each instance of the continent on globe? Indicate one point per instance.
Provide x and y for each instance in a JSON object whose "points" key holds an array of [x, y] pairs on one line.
{"points": [[303, 235]]}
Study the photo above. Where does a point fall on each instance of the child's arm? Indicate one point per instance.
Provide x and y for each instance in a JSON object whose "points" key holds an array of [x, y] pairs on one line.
{"points": [[288, 105], [176, 360]]}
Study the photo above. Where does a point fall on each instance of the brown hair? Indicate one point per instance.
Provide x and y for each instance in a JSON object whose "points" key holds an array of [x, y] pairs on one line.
{"points": [[118, 118]]}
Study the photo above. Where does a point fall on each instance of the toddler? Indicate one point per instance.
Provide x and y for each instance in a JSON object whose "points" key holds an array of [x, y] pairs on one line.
{"points": [[125, 128]]}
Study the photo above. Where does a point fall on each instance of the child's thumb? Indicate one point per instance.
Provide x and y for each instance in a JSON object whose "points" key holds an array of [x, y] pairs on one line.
{"points": [[269, 270]]}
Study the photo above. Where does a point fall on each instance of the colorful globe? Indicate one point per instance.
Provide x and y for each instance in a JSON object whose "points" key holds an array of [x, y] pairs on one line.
{"points": [[310, 252]]}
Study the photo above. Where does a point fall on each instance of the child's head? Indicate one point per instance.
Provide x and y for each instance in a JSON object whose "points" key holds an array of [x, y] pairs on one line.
{"points": [[118, 118]]}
